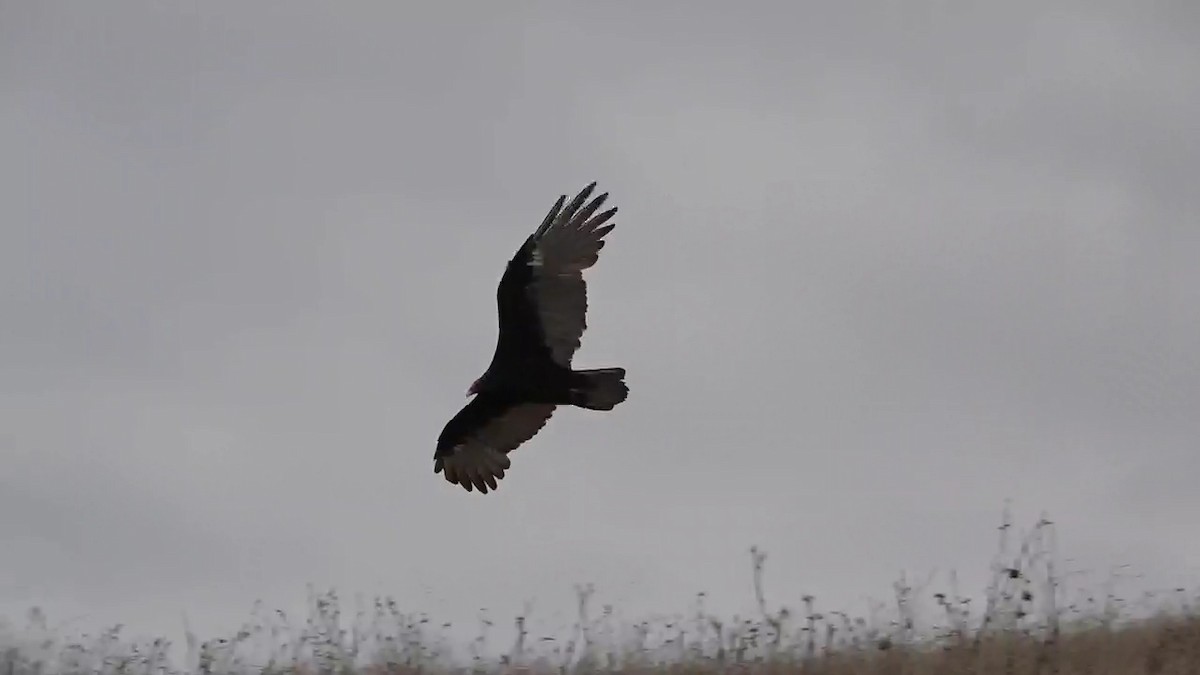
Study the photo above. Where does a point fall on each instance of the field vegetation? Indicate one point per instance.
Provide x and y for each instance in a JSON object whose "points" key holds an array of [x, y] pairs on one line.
{"points": [[1026, 621]]}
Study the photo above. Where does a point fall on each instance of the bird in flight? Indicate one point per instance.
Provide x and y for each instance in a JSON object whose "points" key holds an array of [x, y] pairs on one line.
{"points": [[542, 303]]}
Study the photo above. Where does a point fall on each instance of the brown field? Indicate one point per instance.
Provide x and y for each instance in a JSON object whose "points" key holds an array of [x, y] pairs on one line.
{"points": [[1029, 623]]}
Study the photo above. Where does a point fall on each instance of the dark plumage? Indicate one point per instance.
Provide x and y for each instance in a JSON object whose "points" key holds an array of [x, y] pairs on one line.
{"points": [[542, 303]]}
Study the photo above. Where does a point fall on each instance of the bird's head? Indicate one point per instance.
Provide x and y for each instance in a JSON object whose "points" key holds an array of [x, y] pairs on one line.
{"points": [[475, 387]]}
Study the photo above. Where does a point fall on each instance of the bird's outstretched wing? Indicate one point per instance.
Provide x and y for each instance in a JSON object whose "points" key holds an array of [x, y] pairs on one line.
{"points": [[567, 242], [473, 448]]}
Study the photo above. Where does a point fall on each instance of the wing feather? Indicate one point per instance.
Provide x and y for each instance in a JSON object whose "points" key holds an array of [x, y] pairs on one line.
{"points": [[566, 243], [473, 450]]}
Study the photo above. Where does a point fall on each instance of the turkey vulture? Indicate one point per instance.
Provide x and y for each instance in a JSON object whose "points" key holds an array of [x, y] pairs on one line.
{"points": [[542, 300]]}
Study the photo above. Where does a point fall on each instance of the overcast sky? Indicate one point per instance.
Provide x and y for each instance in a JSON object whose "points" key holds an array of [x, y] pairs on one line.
{"points": [[877, 269]]}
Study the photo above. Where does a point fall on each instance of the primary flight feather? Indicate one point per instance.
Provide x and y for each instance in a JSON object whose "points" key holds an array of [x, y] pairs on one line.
{"points": [[542, 303]]}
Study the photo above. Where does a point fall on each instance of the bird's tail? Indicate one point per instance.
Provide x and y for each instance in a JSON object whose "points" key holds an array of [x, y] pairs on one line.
{"points": [[599, 389]]}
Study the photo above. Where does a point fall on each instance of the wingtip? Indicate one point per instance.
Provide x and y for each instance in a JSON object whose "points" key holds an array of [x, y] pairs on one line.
{"points": [[585, 192]]}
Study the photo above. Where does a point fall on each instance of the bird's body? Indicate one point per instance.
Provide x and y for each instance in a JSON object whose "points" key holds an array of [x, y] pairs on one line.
{"points": [[542, 306]]}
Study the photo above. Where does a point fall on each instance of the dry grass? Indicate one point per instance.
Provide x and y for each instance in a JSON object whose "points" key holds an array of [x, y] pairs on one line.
{"points": [[1028, 624]]}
